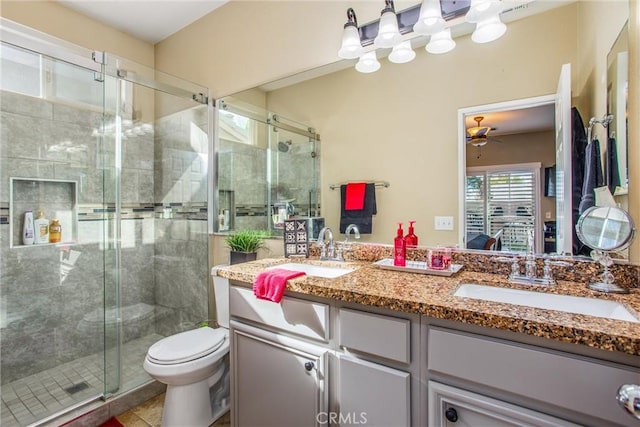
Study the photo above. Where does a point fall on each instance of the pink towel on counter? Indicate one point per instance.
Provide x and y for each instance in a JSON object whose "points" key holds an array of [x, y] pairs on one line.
{"points": [[270, 284]]}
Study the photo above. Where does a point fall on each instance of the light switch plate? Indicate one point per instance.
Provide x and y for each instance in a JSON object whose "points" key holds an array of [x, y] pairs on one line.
{"points": [[444, 223]]}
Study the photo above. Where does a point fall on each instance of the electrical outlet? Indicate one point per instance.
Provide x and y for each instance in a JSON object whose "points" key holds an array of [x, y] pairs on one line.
{"points": [[444, 223], [547, 215]]}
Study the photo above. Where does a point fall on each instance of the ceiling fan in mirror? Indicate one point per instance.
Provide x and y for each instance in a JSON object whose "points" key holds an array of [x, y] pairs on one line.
{"points": [[478, 135]]}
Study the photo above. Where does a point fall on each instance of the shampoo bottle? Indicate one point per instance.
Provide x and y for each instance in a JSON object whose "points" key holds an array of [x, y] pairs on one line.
{"points": [[55, 231], [28, 235], [411, 240], [399, 248], [41, 225]]}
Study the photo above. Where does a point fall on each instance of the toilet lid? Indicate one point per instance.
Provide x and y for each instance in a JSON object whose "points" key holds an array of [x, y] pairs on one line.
{"points": [[186, 346]]}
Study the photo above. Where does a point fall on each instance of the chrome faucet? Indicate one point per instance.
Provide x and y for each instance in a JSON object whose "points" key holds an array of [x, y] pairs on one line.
{"points": [[350, 228], [530, 276], [328, 249], [530, 260]]}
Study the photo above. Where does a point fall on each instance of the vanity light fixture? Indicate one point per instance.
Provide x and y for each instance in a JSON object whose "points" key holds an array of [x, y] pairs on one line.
{"points": [[351, 46], [388, 32], [395, 31]]}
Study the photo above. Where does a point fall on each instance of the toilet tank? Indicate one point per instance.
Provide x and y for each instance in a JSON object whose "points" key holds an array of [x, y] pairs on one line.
{"points": [[221, 291]]}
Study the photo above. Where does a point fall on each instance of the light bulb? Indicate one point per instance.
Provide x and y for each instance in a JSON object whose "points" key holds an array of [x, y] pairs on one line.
{"points": [[489, 30], [351, 47], [441, 42], [368, 63], [388, 33], [402, 53], [481, 10], [430, 19]]}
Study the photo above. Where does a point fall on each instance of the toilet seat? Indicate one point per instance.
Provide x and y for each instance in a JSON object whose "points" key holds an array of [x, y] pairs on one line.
{"points": [[187, 346]]}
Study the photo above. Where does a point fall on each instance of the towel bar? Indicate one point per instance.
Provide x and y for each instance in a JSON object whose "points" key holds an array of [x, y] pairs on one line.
{"points": [[384, 184]]}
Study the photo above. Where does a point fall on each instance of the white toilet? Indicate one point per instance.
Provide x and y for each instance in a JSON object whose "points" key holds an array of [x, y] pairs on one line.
{"points": [[195, 367]]}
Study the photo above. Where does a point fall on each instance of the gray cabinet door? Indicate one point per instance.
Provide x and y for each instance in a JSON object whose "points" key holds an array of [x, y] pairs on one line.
{"points": [[451, 406], [372, 395], [275, 384]]}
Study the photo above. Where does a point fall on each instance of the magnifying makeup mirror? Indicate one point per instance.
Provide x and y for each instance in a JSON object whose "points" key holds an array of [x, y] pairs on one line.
{"points": [[605, 229]]}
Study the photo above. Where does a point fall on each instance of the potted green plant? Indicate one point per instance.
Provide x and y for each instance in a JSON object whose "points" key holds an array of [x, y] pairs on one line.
{"points": [[244, 245]]}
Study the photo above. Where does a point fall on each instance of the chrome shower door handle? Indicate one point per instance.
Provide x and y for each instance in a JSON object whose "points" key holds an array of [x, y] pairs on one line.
{"points": [[629, 398]]}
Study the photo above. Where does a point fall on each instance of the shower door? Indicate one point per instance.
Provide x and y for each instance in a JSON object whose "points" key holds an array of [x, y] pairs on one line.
{"points": [[156, 145], [293, 171], [118, 154], [51, 294]]}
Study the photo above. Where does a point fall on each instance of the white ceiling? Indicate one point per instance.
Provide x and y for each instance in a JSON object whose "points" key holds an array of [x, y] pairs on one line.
{"points": [[148, 20], [524, 120]]}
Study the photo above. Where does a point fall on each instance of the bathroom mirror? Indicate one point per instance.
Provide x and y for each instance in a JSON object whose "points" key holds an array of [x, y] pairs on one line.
{"points": [[605, 229], [400, 126], [616, 165]]}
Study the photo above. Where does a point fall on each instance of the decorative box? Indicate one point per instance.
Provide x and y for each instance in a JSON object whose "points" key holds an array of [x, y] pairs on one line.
{"points": [[296, 237]]}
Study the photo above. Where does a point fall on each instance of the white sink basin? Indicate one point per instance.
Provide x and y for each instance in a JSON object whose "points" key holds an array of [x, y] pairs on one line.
{"points": [[315, 270], [569, 304]]}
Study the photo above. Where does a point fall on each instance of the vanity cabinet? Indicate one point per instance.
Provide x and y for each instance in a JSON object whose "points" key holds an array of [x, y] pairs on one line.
{"points": [[279, 360], [368, 385], [373, 394], [455, 406], [276, 381], [540, 380], [314, 362]]}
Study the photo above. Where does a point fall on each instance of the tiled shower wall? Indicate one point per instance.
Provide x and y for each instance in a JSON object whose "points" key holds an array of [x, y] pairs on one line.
{"points": [[243, 170], [181, 251], [51, 294], [299, 177], [46, 291]]}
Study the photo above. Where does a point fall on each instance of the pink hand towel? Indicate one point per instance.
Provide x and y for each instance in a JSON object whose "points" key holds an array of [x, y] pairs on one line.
{"points": [[270, 284]]}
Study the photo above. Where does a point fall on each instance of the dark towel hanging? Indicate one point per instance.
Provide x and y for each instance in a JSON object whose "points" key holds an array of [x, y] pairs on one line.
{"points": [[362, 218], [578, 148], [592, 175], [613, 173]]}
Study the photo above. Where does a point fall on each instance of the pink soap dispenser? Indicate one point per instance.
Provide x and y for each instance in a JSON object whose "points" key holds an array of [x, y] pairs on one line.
{"points": [[399, 248], [411, 240]]}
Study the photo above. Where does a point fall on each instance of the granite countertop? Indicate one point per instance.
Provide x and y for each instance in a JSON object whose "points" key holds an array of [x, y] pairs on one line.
{"points": [[433, 296]]}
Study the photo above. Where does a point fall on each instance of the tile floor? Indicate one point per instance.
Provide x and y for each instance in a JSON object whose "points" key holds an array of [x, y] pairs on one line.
{"points": [[37, 396], [149, 414]]}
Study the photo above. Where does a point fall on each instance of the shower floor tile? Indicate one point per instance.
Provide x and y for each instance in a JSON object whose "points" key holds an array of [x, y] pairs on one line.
{"points": [[37, 396]]}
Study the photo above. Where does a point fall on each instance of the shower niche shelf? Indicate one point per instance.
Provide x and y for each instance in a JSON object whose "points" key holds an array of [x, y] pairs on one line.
{"points": [[57, 198]]}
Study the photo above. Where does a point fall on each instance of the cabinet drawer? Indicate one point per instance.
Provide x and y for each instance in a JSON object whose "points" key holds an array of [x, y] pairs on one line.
{"points": [[583, 385], [305, 318], [383, 336], [473, 409]]}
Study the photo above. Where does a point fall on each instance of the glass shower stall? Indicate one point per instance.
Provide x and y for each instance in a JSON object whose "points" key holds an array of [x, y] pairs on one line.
{"points": [[117, 153]]}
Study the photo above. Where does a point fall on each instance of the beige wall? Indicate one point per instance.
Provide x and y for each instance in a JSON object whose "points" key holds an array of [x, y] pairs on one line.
{"points": [[400, 123], [54, 19], [244, 44], [520, 148]]}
